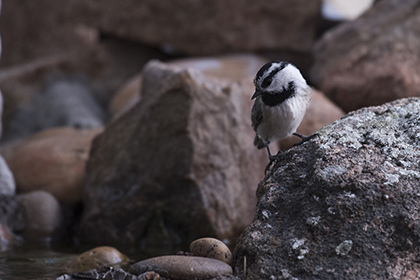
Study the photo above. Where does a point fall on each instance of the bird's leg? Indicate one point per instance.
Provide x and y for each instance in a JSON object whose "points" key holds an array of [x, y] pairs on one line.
{"points": [[304, 138], [271, 158]]}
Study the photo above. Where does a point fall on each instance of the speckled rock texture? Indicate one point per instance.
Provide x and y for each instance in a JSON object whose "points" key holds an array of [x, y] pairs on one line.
{"points": [[344, 205], [178, 166], [373, 59]]}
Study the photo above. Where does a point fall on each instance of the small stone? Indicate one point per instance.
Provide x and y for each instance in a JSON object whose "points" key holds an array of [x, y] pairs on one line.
{"points": [[42, 214], [96, 258], [182, 267], [211, 248]]}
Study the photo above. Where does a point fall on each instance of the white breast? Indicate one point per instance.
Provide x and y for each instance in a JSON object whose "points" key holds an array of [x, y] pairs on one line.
{"points": [[283, 120]]}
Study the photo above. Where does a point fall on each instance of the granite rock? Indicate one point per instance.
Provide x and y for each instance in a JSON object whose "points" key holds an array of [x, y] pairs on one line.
{"points": [[178, 166], [344, 205]]}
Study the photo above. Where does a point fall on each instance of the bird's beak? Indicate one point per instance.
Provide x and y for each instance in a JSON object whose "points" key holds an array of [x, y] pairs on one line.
{"points": [[256, 94]]}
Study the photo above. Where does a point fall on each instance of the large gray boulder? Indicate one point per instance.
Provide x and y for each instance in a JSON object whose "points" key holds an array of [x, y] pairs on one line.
{"points": [[373, 59], [179, 165], [344, 205]]}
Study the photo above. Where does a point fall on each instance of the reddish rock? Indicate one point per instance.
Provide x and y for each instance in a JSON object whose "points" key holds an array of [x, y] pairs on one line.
{"points": [[373, 59], [53, 160], [42, 29], [207, 27]]}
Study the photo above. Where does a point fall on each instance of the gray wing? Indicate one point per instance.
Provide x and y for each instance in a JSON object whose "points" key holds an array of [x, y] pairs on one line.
{"points": [[256, 114], [256, 118]]}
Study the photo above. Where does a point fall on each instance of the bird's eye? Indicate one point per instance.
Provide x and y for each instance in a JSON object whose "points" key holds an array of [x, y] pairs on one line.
{"points": [[267, 81]]}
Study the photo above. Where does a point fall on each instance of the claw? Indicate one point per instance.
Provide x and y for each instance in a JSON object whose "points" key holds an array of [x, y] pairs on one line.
{"points": [[304, 138], [272, 159]]}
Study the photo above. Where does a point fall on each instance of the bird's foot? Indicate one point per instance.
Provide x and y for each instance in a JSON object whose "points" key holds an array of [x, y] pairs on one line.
{"points": [[272, 160], [304, 138]]}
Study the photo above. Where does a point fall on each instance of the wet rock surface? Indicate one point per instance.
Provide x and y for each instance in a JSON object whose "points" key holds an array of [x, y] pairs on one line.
{"points": [[344, 205], [96, 258], [373, 59], [182, 157], [182, 267]]}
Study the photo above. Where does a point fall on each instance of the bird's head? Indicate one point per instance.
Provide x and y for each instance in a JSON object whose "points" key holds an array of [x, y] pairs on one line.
{"points": [[278, 79]]}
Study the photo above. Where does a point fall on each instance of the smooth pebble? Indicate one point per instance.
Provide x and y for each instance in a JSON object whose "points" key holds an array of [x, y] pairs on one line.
{"points": [[211, 248]]}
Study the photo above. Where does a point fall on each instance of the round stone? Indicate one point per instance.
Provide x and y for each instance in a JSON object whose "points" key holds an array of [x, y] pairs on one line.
{"points": [[211, 248]]}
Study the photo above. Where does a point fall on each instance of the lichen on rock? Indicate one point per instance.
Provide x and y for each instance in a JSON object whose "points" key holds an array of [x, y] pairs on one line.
{"points": [[360, 180]]}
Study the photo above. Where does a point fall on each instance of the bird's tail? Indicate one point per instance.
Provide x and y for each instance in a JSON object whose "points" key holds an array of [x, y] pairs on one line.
{"points": [[258, 142]]}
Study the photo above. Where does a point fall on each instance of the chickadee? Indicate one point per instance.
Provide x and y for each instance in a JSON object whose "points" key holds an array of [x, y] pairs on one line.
{"points": [[281, 98]]}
